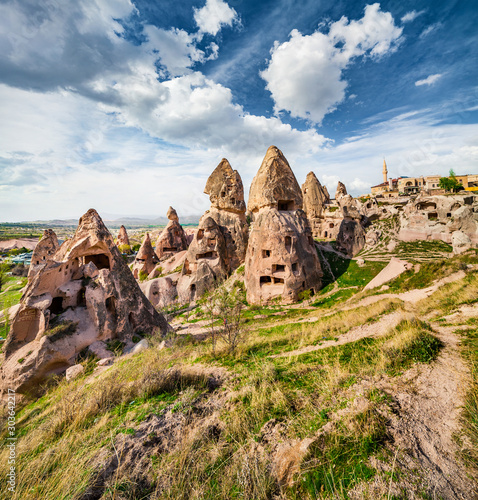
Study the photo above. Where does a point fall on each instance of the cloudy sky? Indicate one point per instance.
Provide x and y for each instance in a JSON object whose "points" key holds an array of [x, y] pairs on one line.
{"points": [[126, 106]]}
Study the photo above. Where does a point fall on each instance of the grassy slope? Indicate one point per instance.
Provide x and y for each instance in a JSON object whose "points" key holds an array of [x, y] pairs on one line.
{"points": [[223, 450]]}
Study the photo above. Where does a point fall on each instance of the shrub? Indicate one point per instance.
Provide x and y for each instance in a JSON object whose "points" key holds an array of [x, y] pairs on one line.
{"points": [[143, 275], [62, 329], [124, 248]]}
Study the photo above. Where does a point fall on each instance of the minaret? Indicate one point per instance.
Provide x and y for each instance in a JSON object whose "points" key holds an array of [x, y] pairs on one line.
{"points": [[385, 171]]}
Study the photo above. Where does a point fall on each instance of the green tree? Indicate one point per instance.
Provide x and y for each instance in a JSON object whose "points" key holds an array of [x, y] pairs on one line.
{"points": [[4, 268], [450, 183]]}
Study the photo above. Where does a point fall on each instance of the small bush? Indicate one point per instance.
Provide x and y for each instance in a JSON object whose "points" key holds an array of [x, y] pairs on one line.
{"points": [[62, 329], [143, 275]]}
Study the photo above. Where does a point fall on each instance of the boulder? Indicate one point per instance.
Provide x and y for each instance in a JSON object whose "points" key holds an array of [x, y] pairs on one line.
{"points": [[172, 239], [145, 260], [74, 371], [141, 346], [460, 242], [274, 185], [84, 294]]}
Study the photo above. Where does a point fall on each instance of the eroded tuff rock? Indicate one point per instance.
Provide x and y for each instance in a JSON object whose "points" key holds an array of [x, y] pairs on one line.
{"points": [[274, 185], [316, 198], [281, 258], [43, 252], [122, 241], [206, 261], [172, 239], [225, 189], [145, 260], [228, 209], [341, 191], [85, 293], [439, 218]]}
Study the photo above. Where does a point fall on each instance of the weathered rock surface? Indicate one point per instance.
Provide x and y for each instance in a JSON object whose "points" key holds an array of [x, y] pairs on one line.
{"points": [[274, 185], [460, 242], [172, 239], [145, 260], [438, 217], [122, 241], [341, 191], [44, 251], [161, 292], [225, 189], [84, 294], [351, 237], [206, 261], [281, 258], [316, 197], [74, 371]]}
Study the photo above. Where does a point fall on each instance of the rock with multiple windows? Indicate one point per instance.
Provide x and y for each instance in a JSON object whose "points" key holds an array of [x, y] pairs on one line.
{"points": [[44, 251], [172, 239], [316, 199], [281, 260], [83, 294]]}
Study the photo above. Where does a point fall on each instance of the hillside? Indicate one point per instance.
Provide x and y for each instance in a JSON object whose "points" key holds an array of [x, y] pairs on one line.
{"points": [[349, 394]]}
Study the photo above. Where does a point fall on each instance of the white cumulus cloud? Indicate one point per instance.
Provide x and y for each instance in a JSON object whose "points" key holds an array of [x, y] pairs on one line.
{"points": [[214, 15], [305, 73], [429, 80]]}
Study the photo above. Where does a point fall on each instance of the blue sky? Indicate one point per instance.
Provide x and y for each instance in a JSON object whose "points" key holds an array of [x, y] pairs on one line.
{"points": [[127, 106]]}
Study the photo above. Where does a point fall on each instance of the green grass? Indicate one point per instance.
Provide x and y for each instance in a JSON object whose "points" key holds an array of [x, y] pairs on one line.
{"points": [[61, 329]]}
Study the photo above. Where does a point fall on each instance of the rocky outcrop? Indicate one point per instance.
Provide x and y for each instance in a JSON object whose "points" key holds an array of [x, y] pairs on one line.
{"points": [[145, 260], [228, 209], [316, 198], [351, 237], [206, 261], [122, 241], [281, 259], [43, 252], [84, 294], [172, 239], [439, 217], [274, 185], [341, 191]]}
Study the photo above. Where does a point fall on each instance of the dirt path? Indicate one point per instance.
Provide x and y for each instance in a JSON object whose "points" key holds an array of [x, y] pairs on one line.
{"points": [[428, 416], [376, 329]]}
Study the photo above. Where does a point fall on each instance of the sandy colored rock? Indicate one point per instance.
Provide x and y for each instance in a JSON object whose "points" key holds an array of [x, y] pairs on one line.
{"points": [[351, 237], [393, 269], [341, 191], [44, 251], [206, 261], [225, 189], [145, 260], [460, 242], [274, 185], [85, 294], [438, 217], [172, 239], [122, 241], [281, 259], [316, 198], [74, 371], [161, 292]]}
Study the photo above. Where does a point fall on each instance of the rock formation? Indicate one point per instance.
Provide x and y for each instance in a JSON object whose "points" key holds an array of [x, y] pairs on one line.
{"points": [[341, 191], [316, 197], [206, 261], [281, 258], [351, 236], [228, 209], [445, 218], [43, 252], [122, 242], [83, 294], [172, 239], [274, 185], [145, 260]]}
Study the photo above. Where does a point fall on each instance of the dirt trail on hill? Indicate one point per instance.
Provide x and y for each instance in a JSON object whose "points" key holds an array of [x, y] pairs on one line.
{"points": [[377, 329]]}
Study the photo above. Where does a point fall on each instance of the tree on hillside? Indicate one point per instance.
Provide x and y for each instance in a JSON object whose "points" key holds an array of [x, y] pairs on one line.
{"points": [[450, 183]]}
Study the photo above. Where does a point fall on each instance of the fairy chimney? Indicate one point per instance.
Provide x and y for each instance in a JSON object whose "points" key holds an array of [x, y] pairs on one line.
{"points": [[44, 251], [145, 259], [281, 260], [315, 200], [84, 294], [122, 241], [172, 239]]}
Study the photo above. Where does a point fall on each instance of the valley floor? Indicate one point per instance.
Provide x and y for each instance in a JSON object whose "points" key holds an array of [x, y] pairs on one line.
{"points": [[350, 394]]}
